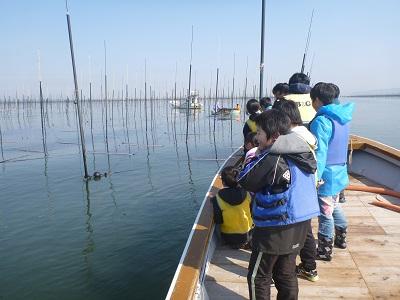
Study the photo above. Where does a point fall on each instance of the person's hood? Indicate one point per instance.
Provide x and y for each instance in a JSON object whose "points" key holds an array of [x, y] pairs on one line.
{"points": [[299, 88], [343, 113], [289, 144], [304, 161], [306, 135], [233, 196], [297, 150]]}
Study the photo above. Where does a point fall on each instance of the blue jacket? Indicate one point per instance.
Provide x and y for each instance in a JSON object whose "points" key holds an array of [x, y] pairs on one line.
{"points": [[335, 176], [297, 204]]}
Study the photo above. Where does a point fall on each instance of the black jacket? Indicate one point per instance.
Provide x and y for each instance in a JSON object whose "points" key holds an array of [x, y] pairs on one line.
{"points": [[273, 172]]}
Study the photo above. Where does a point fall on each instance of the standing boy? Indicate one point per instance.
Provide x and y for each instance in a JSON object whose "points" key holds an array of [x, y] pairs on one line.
{"points": [[331, 128], [299, 92], [282, 178], [308, 267]]}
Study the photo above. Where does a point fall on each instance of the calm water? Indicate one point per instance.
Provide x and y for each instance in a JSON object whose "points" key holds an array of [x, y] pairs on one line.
{"points": [[120, 237]]}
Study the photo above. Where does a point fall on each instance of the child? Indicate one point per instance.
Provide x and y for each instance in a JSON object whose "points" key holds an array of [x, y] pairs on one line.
{"points": [[342, 198], [299, 92], [280, 90], [282, 178], [250, 147], [253, 109], [331, 128], [307, 268], [232, 210], [265, 103]]}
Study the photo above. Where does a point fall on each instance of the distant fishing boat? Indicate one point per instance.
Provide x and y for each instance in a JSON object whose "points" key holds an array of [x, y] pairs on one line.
{"points": [[226, 112], [192, 102], [369, 268]]}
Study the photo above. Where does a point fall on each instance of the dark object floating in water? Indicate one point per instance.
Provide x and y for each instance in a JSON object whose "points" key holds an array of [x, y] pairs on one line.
{"points": [[97, 175]]}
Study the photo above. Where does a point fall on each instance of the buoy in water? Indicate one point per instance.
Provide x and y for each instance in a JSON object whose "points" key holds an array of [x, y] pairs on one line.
{"points": [[97, 175]]}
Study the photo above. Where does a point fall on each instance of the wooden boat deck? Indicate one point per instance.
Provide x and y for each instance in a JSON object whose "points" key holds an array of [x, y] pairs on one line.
{"points": [[368, 269]]}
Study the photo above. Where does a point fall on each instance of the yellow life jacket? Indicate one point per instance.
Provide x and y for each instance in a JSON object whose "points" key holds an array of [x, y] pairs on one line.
{"points": [[303, 101], [252, 125], [237, 218]]}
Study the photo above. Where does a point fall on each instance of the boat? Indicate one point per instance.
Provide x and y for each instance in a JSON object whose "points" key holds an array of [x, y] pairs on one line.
{"points": [[368, 269], [191, 102], [226, 112]]}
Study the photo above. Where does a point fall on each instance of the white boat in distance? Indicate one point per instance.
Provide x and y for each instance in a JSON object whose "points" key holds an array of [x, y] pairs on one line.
{"points": [[192, 102]]}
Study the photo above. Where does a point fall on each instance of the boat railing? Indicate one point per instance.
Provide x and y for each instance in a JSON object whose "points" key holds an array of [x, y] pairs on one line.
{"points": [[185, 282]]}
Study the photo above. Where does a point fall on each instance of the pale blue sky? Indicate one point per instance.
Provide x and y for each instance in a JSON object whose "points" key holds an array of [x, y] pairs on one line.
{"points": [[356, 43]]}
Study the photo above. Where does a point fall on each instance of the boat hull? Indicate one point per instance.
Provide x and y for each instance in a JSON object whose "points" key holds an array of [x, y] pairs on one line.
{"points": [[373, 161]]}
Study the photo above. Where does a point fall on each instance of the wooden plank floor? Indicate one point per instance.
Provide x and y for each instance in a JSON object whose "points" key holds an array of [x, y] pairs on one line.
{"points": [[368, 269]]}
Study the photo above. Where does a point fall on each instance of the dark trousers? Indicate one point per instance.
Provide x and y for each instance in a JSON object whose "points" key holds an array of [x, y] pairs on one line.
{"points": [[309, 252], [264, 267]]}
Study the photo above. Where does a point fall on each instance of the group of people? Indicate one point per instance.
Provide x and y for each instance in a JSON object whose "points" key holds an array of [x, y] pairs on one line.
{"points": [[294, 169]]}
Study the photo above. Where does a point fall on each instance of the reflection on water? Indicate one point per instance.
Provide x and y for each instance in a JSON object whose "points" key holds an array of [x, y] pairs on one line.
{"points": [[119, 237]]}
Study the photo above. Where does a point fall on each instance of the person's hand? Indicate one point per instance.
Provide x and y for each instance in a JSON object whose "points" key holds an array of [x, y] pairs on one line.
{"points": [[210, 195]]}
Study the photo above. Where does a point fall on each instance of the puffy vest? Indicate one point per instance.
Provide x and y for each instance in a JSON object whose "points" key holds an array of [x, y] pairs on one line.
{"points": [[298, 203], [337, 149], [252, 125], [237, 218], [303, 101]]}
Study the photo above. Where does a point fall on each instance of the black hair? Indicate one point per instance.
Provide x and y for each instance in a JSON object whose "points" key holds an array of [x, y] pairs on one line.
{"points": [[282, 88], [291, 109], [299, 78], [278, 103], [265, 100], [252, 106], [336, 88], [251, 138], [273, 122], [325, 92], [228, 176]]}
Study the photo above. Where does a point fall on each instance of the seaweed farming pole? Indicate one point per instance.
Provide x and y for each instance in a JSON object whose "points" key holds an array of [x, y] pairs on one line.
{"points": [[262, 48], [233, 79], [307, 43], [190, 80], [216, 98], [77, 96], [245, 90], [42, 119], [105, 93]]}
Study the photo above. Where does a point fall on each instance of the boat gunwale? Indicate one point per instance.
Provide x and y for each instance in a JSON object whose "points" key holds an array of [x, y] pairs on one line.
{"points": [[176, 290], [361, 143]]}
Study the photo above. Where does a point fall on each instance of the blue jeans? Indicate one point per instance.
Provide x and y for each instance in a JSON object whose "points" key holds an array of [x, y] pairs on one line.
{"points": [[331, 216]]}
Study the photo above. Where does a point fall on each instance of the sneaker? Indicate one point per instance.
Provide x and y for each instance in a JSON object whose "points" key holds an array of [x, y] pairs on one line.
{"points": [[324, 249], [342, 198], [309, 275], [340, 238]]}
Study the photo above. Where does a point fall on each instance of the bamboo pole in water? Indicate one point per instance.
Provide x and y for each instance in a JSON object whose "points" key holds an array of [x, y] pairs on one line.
{"points": [[42, 120], [190, 81], [262, 49], [82, 135], [106, 95], [1, 142], [216, 98], [245, 91]]}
